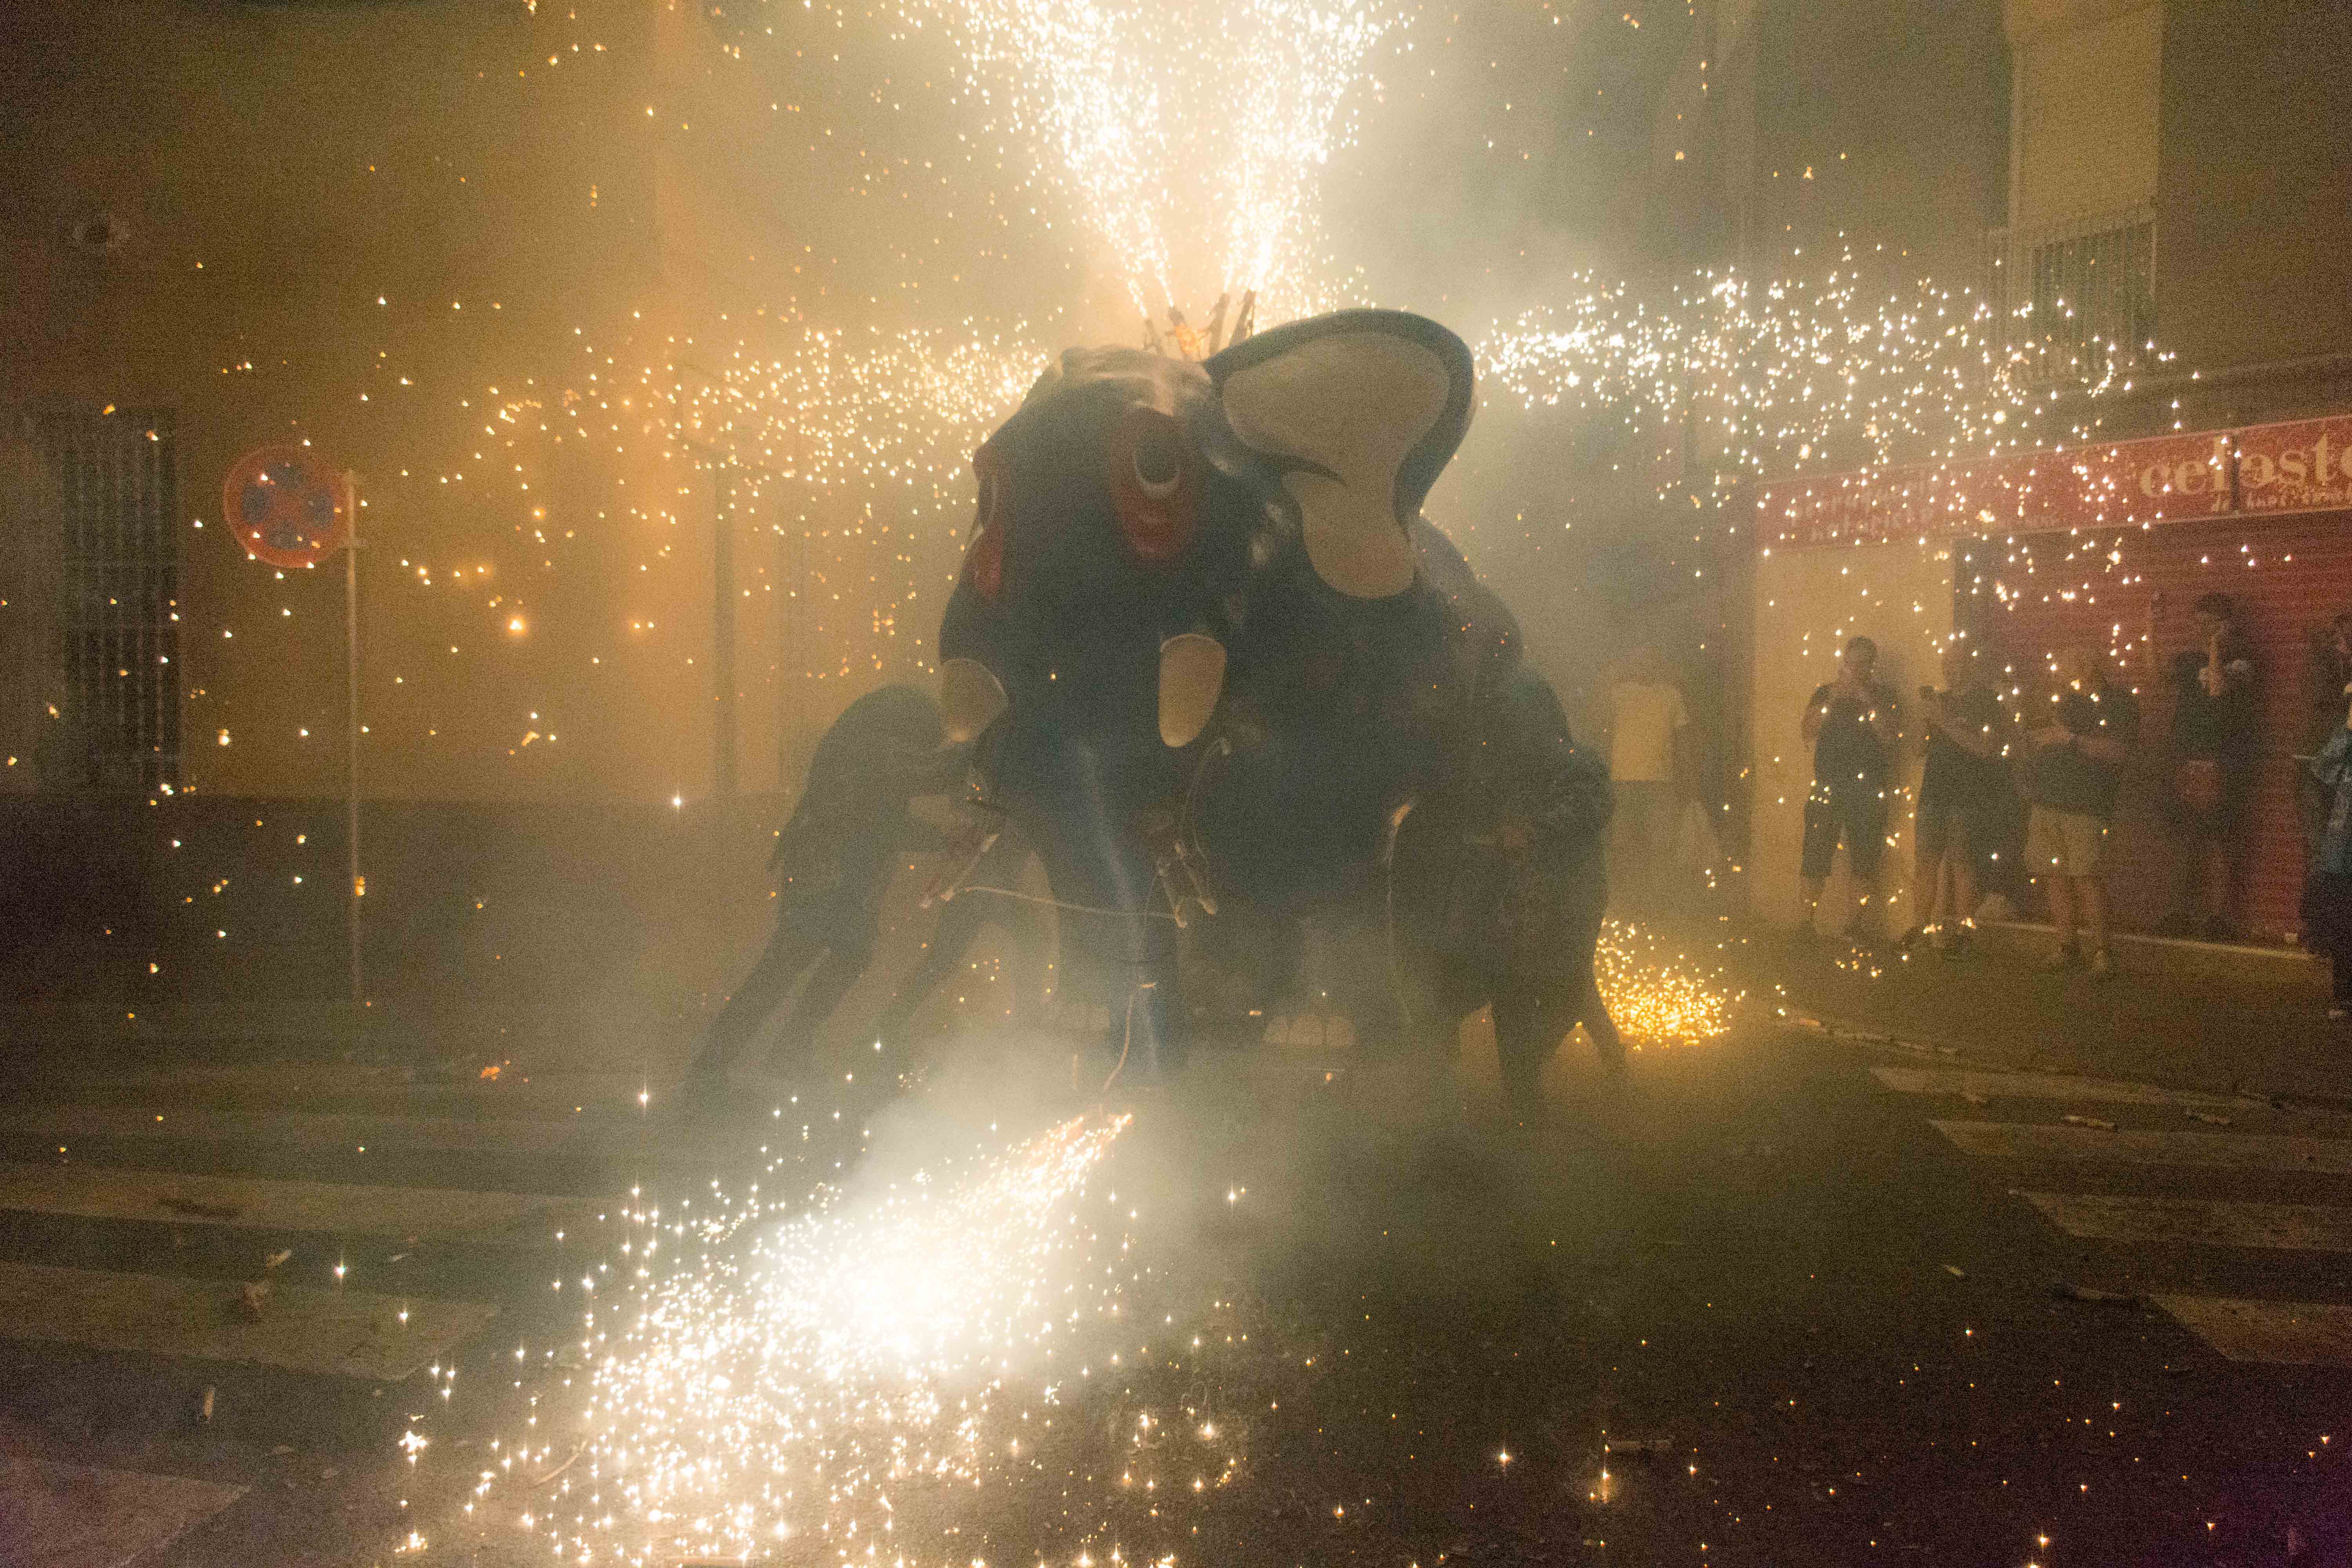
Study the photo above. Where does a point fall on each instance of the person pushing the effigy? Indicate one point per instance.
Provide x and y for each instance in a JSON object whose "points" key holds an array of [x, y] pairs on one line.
{"points": [[832, 862]]}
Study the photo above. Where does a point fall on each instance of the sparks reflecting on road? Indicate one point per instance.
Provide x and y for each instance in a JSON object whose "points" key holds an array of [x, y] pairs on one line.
{"points": [[969, 1364], [812, 1379], [1656, 995]]}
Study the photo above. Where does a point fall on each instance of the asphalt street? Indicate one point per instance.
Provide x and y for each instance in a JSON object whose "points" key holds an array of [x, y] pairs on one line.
{"points": [[1772, 1299]]}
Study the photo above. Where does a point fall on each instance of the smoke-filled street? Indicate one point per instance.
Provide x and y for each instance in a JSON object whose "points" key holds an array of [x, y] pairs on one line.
{"points": [[1775, 1297], [1208, 784]]}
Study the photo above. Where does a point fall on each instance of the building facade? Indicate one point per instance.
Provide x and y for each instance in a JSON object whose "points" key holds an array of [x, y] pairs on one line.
{"points": [[2164, 234], [501, 263], [481, 256]]}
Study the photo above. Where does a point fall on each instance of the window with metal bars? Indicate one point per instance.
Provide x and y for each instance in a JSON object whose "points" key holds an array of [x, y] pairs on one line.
{"points": [[115, 492], [2079, 297]]}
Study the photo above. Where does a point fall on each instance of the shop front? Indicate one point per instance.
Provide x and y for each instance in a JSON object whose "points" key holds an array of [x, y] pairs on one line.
{"points": [[2104, 546]]}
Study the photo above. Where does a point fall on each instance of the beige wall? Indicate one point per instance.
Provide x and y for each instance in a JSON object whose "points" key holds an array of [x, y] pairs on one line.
{"points": [[1807, 604], [272, 161], [2253, 250], [348, 225], [1837, 123]]}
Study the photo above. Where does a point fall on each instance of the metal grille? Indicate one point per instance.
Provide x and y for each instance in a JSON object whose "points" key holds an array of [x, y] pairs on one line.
{"points": [[2078, 299], [118, 490]]}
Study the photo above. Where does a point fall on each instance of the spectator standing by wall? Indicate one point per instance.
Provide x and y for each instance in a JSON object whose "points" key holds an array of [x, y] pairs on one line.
{"points": [[2214, 746], [2327, 886], [1851, 724], [1960, 799], [2074, 772], [2331, 681], [2331, 684], [1646, 717]]}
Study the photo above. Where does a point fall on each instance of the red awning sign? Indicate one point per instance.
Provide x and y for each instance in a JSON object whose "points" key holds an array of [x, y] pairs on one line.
{"points": [[2306, 465], [2302, 467]]}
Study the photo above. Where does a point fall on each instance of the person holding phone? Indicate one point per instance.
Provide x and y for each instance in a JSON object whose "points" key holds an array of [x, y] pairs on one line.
{"points": [[2074, 773]]}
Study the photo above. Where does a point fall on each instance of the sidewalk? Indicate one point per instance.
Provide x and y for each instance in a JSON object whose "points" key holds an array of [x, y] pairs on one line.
{"points": [[2184, 1014], [296, 1087]]}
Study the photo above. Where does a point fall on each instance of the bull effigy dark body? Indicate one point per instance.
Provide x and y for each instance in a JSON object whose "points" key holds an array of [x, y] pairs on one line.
{"points": [[1207, 650]]}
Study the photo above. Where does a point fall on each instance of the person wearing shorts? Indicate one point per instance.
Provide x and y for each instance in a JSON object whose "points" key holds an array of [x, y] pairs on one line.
{"points": [[1960, 791], [2074, 773], [1850, 724]]}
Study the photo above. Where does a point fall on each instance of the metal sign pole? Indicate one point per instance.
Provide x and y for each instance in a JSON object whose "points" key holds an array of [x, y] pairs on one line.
{"points": [[282, 501], [352, 691]]}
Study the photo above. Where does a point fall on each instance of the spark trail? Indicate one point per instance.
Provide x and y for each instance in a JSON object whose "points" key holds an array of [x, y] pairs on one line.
{"points": [[1777, 376], [1190, 138], [799, 1385]]}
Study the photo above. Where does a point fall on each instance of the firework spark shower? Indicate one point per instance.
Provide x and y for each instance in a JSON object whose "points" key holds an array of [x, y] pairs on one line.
{"points": [[1194, 184], [1779, 376], [411, 1162]]}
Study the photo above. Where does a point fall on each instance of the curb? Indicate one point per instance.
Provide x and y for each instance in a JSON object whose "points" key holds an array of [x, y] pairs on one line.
{"points": [[1846, 1032]]}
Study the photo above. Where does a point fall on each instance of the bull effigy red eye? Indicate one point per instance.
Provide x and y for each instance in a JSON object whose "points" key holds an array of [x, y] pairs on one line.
{"points": [[1154, 480]]}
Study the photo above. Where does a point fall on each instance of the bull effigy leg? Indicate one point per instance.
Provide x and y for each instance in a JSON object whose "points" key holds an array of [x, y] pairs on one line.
{"points": [[1525, 1031], [1592, 1012]]}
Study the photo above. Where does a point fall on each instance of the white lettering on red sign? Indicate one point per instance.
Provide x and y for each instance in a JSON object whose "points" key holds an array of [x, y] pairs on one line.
{"points": [[2300, 467]]}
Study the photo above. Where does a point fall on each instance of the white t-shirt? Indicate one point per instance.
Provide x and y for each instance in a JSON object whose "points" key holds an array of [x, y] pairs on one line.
{"points": [[1643, 718]]}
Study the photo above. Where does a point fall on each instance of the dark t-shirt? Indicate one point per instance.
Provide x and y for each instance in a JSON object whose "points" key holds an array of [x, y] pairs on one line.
{"points": [[2209, 728], [1973, 710], [1846, 755], [2065, 778]]}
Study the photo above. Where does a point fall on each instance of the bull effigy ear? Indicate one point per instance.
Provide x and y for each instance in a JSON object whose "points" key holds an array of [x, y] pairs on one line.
{"points": [[1360, 410]]}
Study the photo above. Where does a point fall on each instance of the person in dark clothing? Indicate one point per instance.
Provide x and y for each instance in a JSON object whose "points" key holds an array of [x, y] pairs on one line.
{"points": [[2330, 684], [1550, 804], [2213, 745], [2074, 773], [832, 861], [1497, 884], [1960, 799], [987, 897], [2331, 681], [1850, 722], [2327, 887], [2003, 873]]}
